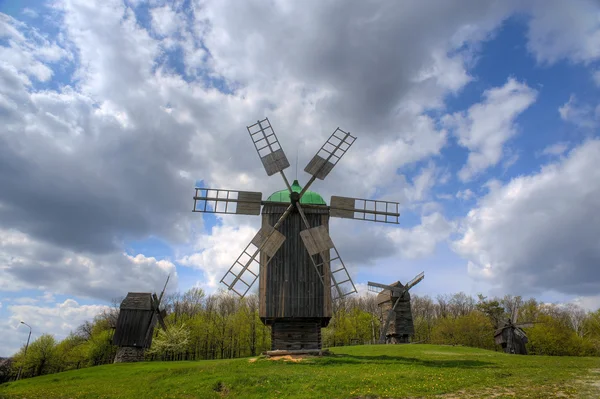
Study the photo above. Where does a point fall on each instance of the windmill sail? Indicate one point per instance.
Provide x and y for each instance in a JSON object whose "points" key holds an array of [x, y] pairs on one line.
{"points": [[364, 209], [210, 200], [244, 272], [330, 154], [267, 145]]}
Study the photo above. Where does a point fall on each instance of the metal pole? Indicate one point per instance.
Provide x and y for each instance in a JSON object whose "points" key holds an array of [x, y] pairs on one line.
{"points": [[24, 354]]}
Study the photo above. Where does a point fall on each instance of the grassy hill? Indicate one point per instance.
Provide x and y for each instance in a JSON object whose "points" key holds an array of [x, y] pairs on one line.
{"points": [[386, 371]]}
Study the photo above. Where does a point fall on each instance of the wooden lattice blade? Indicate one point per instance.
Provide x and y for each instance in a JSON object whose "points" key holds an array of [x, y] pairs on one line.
{"points": [[364, 209], [415, 281], [372, 288], [382, 287], [244, 272], [340, 277], [316, 240], [210, 200], [268, 240], [267, 146], [330, 154], [242, 275]]}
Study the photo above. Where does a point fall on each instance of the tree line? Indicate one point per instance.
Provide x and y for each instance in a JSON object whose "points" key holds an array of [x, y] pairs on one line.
{"points": [[223, 326]]}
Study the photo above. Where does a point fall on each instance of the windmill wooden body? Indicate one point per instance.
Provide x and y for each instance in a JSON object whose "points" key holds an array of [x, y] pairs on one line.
{"points": [[511, 337], [292, 255], [138, 315], [396, 315]]}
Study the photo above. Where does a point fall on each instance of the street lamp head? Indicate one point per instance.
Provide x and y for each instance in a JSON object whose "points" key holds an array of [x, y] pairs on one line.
{"points": [[22, 322]]}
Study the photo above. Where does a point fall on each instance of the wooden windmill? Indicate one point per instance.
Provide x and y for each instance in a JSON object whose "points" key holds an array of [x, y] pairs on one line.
{"points": [[511, 336], [397, 323], [138, 315], [298, 264]]}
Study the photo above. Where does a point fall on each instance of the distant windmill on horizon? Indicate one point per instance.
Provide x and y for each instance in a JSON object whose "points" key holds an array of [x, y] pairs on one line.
{"points": [[138, 314], [510, 334], [292, 255], [396, 319]]}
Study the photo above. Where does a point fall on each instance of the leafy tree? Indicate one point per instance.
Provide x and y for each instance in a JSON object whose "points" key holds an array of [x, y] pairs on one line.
{"points": [[41, 357], [474, 329], [492, 309], [72, 352], [171, 344]]}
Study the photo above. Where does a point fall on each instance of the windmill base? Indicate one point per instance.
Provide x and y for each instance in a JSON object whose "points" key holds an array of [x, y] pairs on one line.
{"points": [[296, 335], [129, 354], [397, 339], [311, 352]]}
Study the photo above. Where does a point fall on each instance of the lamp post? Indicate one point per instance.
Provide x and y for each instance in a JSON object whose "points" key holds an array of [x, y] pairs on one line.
{"points": [[24, 354]]}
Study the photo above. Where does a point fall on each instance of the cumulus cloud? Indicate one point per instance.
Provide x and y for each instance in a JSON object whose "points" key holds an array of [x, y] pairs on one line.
{"points": [[564, 30], [30, 264], [421, 240], [58, 319], [581, 115], [485, 127], [29, 51], [30, 12], [556, 149], [165, 20], [465, 194], [539, 232], [217, 250]]}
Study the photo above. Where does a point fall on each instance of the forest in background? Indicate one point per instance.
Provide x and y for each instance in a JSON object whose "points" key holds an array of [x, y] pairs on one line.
{"points": [[224, 326]]}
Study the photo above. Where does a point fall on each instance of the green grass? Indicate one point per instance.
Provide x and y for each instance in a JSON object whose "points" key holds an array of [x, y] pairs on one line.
{"points": [[386, 371]]}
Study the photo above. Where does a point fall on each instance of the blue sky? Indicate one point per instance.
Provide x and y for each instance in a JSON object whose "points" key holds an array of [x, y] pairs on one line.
{"points": [[480, 118]]}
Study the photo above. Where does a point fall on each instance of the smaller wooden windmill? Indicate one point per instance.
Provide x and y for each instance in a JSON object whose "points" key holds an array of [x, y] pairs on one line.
{"points": [[397, 324], [511, 336], [138, 315]]}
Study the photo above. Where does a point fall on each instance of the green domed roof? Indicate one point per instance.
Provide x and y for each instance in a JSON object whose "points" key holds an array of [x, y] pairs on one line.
{"points": [[309, 197]]}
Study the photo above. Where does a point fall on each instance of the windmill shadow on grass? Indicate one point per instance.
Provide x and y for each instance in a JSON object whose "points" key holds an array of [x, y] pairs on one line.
{"points": [[386, 359]]}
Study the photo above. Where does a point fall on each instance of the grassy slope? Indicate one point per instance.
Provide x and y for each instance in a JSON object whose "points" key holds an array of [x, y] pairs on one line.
{"points": [[390, 371]]}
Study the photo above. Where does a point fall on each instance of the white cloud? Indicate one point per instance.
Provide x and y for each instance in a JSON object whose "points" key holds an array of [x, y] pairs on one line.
{"points": [[29, 54], [465, 195], [596, 77], [564, 30], [590, 303], [165, 20], [25, 301], [485, 127], [581, 115], [421, 240], [27, 263], [58, 319], [30, 12], [556, 149], [539, 232]]}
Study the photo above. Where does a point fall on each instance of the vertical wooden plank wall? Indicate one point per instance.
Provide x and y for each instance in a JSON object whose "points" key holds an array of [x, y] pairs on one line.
{"points": [[289, 286]]}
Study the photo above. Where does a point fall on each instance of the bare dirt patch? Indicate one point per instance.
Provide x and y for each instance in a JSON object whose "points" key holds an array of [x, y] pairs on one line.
{"points": [[288, 358]]}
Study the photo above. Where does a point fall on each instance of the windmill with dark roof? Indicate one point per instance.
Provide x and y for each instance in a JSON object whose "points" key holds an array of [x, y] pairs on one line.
{"points": [[292, 256], [138, 314], [396, 316], [510, 335]]}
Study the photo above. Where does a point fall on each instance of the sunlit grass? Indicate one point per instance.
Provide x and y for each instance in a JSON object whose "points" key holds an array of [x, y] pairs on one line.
{"points": [[386, 371]]}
